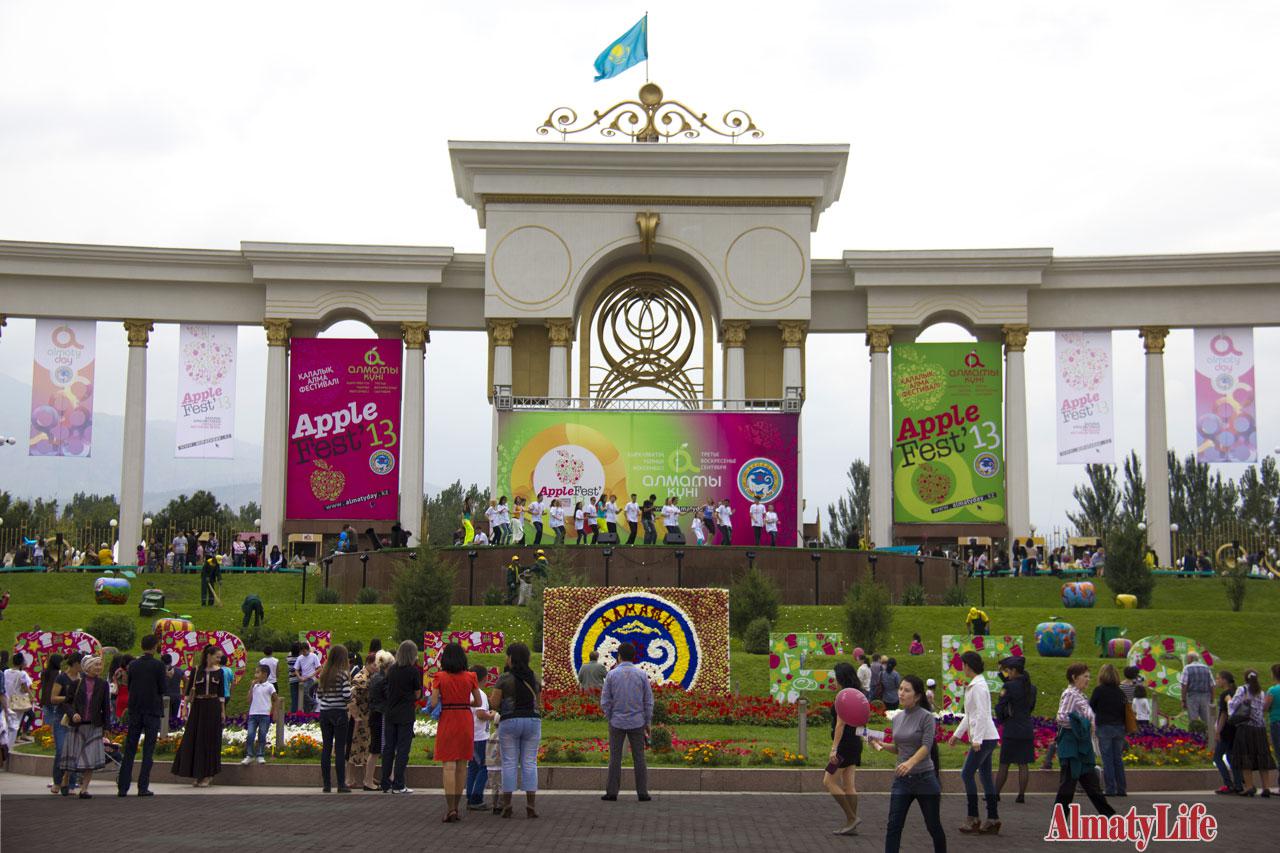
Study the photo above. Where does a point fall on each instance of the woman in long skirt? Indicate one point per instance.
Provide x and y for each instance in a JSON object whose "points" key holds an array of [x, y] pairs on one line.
{"points": [[200, 752], [88, 713], [1250, 751]]}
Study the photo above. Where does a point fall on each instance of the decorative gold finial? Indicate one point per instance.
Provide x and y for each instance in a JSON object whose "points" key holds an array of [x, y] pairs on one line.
{"points": [[560, 332], [502, 332], [415, 335], [793, 332], [734, 333], [879, 338], [654, 120]]}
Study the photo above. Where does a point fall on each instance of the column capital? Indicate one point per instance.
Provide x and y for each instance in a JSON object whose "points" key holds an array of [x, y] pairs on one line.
{"points": [[1153, 338], [501, 332], [1015, 337], [415, 335], [138, 332], [879, 338], [277, 331], [560, 332], [3, 321], [734, 333], [793, 332]]}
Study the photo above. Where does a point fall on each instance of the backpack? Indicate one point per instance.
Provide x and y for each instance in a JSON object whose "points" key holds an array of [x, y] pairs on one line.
{"points": [[877, 682]]}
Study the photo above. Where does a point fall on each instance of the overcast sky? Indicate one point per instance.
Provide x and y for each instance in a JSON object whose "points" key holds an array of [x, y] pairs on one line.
{"points": [[1089, 127]]}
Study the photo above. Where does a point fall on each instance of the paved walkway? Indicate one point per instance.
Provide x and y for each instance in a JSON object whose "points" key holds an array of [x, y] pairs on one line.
{"points": [[289, 820]]}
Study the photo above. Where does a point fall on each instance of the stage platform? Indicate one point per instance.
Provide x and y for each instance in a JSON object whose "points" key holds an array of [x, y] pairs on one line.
{"points": [[804, 576]]}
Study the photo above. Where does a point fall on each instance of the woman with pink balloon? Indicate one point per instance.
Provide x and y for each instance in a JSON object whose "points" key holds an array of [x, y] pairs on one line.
{"points": [[849, 712]]}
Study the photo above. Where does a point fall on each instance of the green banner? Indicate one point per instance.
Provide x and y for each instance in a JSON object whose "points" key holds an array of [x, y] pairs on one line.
{"points": [[948, 433]]}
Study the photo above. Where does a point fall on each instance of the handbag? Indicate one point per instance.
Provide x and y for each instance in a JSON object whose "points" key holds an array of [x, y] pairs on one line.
{"points": [[1242, 715], [1130, 719]]}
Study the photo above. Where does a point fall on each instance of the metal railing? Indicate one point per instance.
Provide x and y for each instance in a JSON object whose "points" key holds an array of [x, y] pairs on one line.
{"points": [[656, 404]]}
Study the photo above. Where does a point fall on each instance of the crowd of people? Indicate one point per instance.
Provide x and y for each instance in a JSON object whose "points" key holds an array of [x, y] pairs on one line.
{"points": [[524, 522]]}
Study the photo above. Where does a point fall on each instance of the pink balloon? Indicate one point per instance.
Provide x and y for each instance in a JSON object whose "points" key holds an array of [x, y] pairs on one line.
{"points": [[852, 707]]}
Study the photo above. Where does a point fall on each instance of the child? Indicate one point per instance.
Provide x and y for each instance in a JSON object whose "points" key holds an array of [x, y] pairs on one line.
{"points": [[917, 645], [771, 526], [262, 708], [477, 767], [1141, 705], [929, 685], [269, 661], [699, 533]]}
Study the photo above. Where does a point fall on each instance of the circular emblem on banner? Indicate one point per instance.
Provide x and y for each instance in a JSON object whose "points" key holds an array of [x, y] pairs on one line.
{"points": [[760, 479], [382, 462], [986, 464], [665, 639]]}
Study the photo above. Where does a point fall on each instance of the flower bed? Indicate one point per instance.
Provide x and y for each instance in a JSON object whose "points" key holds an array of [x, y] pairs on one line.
{"points": [[673, 705]]}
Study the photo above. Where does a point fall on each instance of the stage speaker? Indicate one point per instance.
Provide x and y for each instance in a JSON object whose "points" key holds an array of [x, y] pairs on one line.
{"points": [[674, 537], [606, 538]]}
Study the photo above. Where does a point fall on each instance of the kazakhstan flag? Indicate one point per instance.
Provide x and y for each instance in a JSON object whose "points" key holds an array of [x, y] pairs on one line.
{"points": [[631, 48]]}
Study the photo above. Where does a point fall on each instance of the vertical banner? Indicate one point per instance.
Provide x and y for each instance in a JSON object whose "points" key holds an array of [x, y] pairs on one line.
{"points": [[1226, 401], [693, 457], [206, 392], [344, 429], [62, 388], [948, 447], [1086, 425]]}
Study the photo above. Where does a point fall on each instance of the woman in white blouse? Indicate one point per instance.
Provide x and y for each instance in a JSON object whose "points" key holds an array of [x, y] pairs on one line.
{"points": [[983, 739]]}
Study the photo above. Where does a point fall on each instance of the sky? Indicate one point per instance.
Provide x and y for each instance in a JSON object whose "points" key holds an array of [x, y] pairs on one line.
{"points": [[1089, 127]]}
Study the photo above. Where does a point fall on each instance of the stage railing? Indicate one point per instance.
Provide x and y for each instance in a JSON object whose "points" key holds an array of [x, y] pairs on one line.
{"points": [[656, 404]]}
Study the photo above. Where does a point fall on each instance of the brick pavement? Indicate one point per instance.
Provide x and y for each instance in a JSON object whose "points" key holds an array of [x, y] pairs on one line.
{"points": [[570, 822]]}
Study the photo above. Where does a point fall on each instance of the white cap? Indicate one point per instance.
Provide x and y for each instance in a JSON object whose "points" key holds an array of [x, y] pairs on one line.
{"points": [[931, 683]]}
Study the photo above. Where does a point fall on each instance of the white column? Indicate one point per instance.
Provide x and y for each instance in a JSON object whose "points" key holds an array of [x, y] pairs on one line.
{"points": [[133, 463], [413, 428], [733, 336], [1157, 446], [793, 332], [1016, 465], [881, 450], [501, 335], [560, 335], [275, 426]]}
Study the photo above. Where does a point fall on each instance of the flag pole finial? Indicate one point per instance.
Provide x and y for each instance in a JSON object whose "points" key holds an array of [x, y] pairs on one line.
{"points": [[650, 118]]}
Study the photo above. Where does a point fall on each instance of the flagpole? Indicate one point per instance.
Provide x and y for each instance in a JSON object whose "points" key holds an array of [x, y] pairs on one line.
{"points": [[646, 45]]}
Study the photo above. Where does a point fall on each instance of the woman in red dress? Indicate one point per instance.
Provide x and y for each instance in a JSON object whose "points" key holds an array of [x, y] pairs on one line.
{"points": [[456, 691]]}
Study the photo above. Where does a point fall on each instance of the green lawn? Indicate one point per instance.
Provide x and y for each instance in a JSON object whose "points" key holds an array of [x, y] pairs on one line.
{"points": [[1196, 608]]}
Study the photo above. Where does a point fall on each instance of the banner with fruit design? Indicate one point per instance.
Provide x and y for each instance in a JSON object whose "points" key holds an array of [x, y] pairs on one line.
{"points": [[992, 649], [948, 428], [344, 426], [693, 456], [206, 392], [803, 662], [1086, 428], [62, 388]]}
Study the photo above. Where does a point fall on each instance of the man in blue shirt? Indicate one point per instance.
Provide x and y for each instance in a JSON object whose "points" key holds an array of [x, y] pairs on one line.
{"points": [[627, 703]]}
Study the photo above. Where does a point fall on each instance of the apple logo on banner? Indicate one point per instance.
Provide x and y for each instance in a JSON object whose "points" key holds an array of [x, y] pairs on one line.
{"points": [[568, 471]]}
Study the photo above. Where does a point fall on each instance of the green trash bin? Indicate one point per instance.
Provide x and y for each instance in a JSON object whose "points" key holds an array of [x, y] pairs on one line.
{"points": [[1104, 634]]}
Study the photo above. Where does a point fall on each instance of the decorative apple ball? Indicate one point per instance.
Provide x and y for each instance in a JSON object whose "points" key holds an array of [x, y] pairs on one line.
{"points": [[1126, 601], [852, 707], [1078, 594], [111, 590], [1118, 647], [1055, 639], [169, 623], [858, 653]]}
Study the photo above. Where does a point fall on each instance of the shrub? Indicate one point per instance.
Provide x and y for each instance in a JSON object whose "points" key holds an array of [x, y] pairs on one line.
{"points": [[574, 754], [913, 596], [326, 595], [756, 638], [1197, 727], [1126, 571], [867, 615], [423, 595], [956, 596], [354, 648], [661, 713], [494, 597], [367, 595], [550, 752], [113, 629], [260, 637], [754, 596], [660, 739], [1236, 581]]}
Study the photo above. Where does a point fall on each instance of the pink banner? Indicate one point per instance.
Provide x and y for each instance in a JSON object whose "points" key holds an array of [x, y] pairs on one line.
{"points": [[344, 425], [1226, 404], [62, 388]]}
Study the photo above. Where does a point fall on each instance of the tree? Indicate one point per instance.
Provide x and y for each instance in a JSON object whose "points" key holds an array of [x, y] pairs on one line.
{"points": [[443, 512], [753, 597], [247, 515], [85, 510], [1134, 502], [1099, 501], [849, 514], [868, 617], [423, 595], [1199, 502], [1259, 494], [202, 506], [1127, 571]]}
